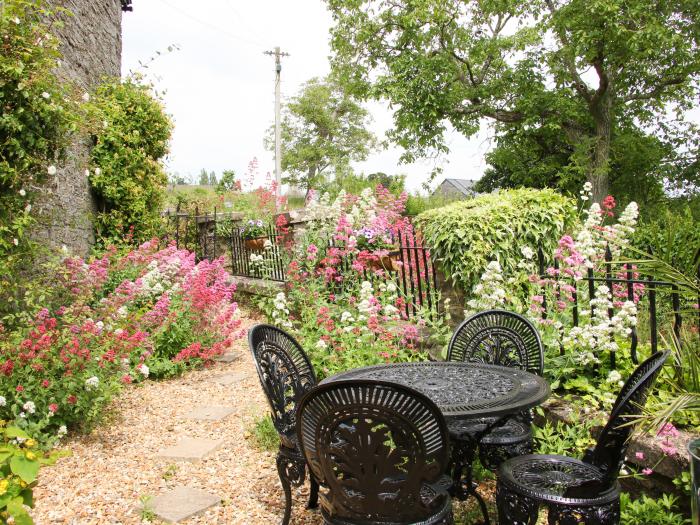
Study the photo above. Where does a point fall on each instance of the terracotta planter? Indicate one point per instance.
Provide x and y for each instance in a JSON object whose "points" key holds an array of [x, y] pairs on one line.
{"points": [[255, 244], [388, 263]]}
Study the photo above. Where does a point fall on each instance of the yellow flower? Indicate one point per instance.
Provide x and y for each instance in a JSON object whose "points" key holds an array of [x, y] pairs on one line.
{"points": [[22, 483], [3, 486], [30, 456], [30, 443]]}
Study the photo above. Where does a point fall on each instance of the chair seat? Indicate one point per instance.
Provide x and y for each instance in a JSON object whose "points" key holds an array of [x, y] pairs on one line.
{"points": [[556, 478], [511, 431]]}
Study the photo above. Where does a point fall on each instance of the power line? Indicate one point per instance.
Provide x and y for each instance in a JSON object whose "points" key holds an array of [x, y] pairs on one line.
{"points": [[211, 26]]}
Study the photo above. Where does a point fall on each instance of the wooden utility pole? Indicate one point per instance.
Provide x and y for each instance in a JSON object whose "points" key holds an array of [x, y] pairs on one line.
{"points": [[278, 120]]}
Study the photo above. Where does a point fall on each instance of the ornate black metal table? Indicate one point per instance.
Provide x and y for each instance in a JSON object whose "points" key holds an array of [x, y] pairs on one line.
{"points": [[463, 391]]}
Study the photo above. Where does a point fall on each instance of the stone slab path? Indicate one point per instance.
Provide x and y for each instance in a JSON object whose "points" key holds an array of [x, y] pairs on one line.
{"points": [[111, 472]]}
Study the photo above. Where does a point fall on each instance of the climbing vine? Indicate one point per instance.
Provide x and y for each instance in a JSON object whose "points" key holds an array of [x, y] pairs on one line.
{"points": [[36, 118], [131, 134]]}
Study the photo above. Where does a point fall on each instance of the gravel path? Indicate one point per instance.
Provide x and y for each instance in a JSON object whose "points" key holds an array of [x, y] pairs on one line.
{"points": [[111, 469], [114, 468]]}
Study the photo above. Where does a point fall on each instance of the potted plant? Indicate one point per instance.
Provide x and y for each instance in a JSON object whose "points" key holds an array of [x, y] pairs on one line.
{"points": [[253, 234], [381, 246]]}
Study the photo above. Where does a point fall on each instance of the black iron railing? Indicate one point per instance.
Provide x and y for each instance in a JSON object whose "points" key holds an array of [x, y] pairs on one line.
{"points": [[214, 235], [658, 299], [415, 276]]}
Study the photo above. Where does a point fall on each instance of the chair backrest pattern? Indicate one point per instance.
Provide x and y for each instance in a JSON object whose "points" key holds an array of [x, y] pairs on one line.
{"points": [[285, 373], [375, 446], [498, 337], [610, 449]]}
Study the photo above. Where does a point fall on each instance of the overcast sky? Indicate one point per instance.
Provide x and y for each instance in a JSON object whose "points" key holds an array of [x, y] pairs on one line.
{"points": [[219, 86]]}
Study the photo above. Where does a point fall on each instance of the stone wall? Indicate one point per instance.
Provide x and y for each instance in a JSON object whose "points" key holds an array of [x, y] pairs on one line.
{"points": [[91, 47]]}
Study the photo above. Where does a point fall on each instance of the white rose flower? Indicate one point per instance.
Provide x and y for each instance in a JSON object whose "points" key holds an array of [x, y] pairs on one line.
{"points": [[321, 344], [143, 369], [22, 192], [3, 401], [86, 97], [92, 383], [29, 406], [46, 95], [62, 430], [98, 171], [51, 170]]}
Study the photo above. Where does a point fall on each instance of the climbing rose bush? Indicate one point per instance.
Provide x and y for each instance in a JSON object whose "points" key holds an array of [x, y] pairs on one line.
{"points": [[124, 318]]}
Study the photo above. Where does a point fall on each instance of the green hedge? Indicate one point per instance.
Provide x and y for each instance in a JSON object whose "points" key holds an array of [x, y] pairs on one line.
{"points": [[466, 235]]}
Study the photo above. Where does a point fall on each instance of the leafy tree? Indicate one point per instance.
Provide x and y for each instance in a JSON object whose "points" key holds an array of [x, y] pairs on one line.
{"points": [[323, 130], [212, 179], [575, 68], [176, 179], [228, 182], [203, 177], [541, 157]]}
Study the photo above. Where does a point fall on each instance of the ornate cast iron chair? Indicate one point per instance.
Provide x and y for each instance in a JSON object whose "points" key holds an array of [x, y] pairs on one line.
{"points": [[504, 338], [577, 491], [379, 451], [285, 374]]}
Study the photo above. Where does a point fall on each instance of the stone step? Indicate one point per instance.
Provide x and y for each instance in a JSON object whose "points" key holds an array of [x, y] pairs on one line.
{"points": [[228, 357], [182, 503], [210, 413], [191, 449], [230, 379]]}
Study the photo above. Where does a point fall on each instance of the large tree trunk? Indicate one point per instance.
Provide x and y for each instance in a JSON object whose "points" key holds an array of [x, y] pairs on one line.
{"points": [[600, 154]]}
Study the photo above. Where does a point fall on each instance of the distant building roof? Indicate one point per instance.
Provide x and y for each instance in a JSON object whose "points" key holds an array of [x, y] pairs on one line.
{"points": [[126, 5], [464, 186]]}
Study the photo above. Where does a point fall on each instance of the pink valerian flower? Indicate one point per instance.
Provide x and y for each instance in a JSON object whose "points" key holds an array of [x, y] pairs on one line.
{"points": [[668, 449], [53, 408], [647, 472], [639, 455], [668, 430], [311, 252]]}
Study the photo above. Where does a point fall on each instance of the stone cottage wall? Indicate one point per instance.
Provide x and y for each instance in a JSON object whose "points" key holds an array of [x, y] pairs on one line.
{"points": [[91, 46]]}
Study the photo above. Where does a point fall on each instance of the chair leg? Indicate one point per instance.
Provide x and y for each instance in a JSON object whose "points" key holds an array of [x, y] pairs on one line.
{"points": [[282, 465], [313, 493], [514, 508]]}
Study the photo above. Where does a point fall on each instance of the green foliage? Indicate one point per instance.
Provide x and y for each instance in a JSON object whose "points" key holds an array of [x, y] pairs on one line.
{"points": [[417, 204], [466, 235], [264, 433], [227, 182], [131, 135], [323, 130], [576, 71], [38, 114], [650, 511], [20, 461], [542, 157], [673, 237], [354, 184], [564, 439]]}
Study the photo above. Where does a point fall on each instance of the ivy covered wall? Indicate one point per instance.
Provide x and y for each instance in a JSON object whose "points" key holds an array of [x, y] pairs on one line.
{"points": [[91, 45]]}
